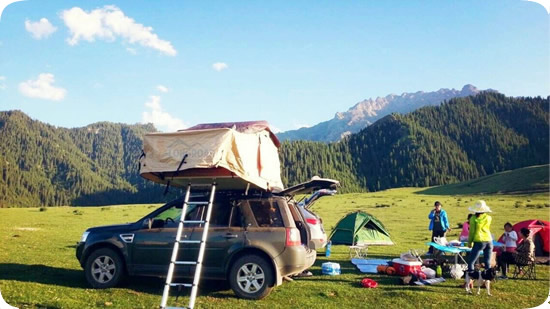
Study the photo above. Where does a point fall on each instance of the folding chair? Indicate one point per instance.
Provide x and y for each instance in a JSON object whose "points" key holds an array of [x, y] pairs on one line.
{"points": [[525, 271], [358, 251]]}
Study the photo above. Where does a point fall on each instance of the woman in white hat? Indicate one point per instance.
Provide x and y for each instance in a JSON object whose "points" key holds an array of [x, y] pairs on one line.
{"points": [[480, 234]]}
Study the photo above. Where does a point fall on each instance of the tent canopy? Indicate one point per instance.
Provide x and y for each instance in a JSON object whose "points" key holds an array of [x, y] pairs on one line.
{"points": [[236, 155], [540, 233], [360, 228]]}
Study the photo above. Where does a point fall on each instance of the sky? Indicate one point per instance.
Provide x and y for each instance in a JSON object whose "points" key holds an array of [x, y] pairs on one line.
{"points": [[292, 63]]}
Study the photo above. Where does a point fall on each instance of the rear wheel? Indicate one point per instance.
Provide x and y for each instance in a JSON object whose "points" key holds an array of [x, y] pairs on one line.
{"points": [[251, 277], [104, 269]]}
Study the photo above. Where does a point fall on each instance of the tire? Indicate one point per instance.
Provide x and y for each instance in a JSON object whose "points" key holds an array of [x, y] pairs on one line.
{"points": [[251, 277], [104, 269]]}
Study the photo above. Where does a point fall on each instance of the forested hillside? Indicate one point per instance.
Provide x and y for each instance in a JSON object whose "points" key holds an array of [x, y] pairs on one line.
{"points": [[45, 165], [462, 139]]}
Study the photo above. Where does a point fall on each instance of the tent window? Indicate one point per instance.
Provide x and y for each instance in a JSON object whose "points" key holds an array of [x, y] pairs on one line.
{"points": [[267, 214]]}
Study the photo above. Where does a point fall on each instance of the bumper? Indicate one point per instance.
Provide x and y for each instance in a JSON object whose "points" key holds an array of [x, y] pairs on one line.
{"points": [[317, 244], [79, 252], [294, 260]]}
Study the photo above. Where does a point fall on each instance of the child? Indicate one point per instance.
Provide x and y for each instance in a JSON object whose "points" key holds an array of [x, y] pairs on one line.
{"points": [[510, 238], [465, 230]]}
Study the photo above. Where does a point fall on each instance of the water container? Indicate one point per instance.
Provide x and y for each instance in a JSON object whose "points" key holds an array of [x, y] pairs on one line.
{"points": [[438, 271], [327, 248], [330, 268]]}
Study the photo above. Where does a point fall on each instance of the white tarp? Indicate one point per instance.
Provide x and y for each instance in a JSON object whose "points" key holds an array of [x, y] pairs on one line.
{"points": [[222, 152]]}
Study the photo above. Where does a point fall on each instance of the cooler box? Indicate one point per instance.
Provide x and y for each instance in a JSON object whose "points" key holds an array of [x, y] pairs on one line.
{"points": [[404, 268], [330, 268]]}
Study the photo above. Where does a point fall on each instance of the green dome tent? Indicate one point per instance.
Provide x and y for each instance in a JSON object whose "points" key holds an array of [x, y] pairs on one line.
{"points": [[360, 228]]}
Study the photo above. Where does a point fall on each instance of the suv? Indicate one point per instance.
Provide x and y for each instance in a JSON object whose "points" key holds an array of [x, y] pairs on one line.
{"points": [[253, 242]]}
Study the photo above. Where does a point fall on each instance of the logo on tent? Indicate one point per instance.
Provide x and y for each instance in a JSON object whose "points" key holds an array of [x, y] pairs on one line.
{"points": [[179, 148]]}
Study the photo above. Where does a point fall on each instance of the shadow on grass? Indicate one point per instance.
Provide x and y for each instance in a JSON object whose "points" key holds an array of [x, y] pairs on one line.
{"points": [[74, 278]]}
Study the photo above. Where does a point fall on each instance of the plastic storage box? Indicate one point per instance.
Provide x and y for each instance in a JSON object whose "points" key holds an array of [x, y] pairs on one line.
{"points": [[404, 268], [330, 268]]}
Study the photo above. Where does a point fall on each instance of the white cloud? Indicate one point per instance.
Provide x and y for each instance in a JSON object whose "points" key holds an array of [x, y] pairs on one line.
{"points": [[42, 88], [219, 66], [132, 51], [2, 82], [108, 23], [298, 126], [161, 119], [40, 29], [162, 89]]}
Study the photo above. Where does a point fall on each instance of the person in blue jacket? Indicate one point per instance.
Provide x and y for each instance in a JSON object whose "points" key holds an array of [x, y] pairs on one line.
{"points": [[439, 222]]}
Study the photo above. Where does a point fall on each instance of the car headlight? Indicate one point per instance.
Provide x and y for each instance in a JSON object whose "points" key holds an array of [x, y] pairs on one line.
{"points": [[84, 236]]}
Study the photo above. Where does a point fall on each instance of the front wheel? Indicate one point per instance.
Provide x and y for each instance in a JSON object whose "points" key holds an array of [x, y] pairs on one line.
{"points": [[251, 277], [104, 269]]}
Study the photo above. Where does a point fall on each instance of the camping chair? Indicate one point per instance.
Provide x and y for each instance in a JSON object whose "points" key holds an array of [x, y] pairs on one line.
{"points": [[525, 271], [358, 251]]}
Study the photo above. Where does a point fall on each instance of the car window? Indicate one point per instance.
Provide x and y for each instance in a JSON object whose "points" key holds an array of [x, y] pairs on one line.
{"points": [[221, 211], [174, 213], [236, 217], [266, 213]]}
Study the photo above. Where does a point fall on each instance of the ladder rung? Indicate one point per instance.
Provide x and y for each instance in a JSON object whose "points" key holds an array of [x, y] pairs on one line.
{"points": [[197, 203], [189, 241], [185, 262], [194, 221], [187, 285]]}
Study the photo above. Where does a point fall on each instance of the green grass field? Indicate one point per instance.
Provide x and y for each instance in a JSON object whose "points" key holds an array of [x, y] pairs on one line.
{"points": [[519, 181], [38, 268]]}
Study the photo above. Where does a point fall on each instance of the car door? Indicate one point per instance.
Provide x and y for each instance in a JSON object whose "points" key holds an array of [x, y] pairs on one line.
{"points": [[153, 246], [224, 236]]}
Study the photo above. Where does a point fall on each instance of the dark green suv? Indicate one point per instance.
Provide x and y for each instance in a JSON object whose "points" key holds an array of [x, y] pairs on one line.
{"points": [[253, 242]]}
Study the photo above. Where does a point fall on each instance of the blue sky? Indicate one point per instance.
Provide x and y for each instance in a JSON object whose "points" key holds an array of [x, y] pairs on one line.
{"points": [[292, 63]]}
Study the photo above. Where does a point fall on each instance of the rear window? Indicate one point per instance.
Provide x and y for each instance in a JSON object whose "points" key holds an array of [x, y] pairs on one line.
{"points": [[266, 213]]}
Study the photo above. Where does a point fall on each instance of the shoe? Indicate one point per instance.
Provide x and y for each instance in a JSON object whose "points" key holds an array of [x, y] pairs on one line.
{"points": [[304, 274], [503, 277]]}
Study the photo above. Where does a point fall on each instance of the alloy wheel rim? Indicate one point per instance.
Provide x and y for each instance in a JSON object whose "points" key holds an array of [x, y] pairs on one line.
{"points": [[103, 269], [250, 277]]}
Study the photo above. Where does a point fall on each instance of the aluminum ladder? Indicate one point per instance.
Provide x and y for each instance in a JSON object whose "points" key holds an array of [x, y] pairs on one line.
{"points": [[174, 260]]}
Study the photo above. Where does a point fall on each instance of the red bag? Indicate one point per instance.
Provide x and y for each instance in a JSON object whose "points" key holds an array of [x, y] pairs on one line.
{"points": [[369, 283]]}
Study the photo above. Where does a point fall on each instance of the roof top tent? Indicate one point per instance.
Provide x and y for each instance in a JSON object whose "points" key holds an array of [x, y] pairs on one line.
{"points": [[236, 155]]}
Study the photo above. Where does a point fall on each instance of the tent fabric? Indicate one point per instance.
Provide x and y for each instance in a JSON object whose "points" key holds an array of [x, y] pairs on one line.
{"points": [[540, 232], [360, 228], [214, 151]]}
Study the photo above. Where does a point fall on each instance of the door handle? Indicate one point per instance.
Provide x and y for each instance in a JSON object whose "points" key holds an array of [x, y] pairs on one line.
{"points": [[230, 235]]}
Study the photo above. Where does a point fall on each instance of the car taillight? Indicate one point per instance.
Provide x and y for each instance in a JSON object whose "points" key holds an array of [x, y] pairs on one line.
{"points": [[311, 221], [293, 237]]}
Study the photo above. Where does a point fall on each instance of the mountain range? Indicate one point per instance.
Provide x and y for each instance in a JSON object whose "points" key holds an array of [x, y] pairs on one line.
{"points": [[461, 139], [368, 111]]}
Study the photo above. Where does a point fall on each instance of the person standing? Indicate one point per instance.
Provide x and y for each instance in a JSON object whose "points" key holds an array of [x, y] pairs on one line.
{"points": [[439, 223], [480, 235]]}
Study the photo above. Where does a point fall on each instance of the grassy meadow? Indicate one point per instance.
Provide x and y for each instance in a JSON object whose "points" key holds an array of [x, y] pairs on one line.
{"points": [[38, 268]]}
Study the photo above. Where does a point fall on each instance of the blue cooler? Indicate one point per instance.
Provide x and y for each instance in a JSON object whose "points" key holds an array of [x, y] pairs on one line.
{"points": [[330, 268]]}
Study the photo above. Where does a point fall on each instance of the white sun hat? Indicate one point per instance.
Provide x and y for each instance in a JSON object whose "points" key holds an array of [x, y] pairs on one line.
{"points": [[480, 207]]}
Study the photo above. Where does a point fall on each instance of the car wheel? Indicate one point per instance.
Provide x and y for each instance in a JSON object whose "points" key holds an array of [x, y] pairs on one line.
{"points": [[251, 277], [104, 269]]}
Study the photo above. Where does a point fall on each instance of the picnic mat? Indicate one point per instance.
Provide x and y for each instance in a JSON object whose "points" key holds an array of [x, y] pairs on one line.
{"points": [[368, 265], [430, 281]]}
